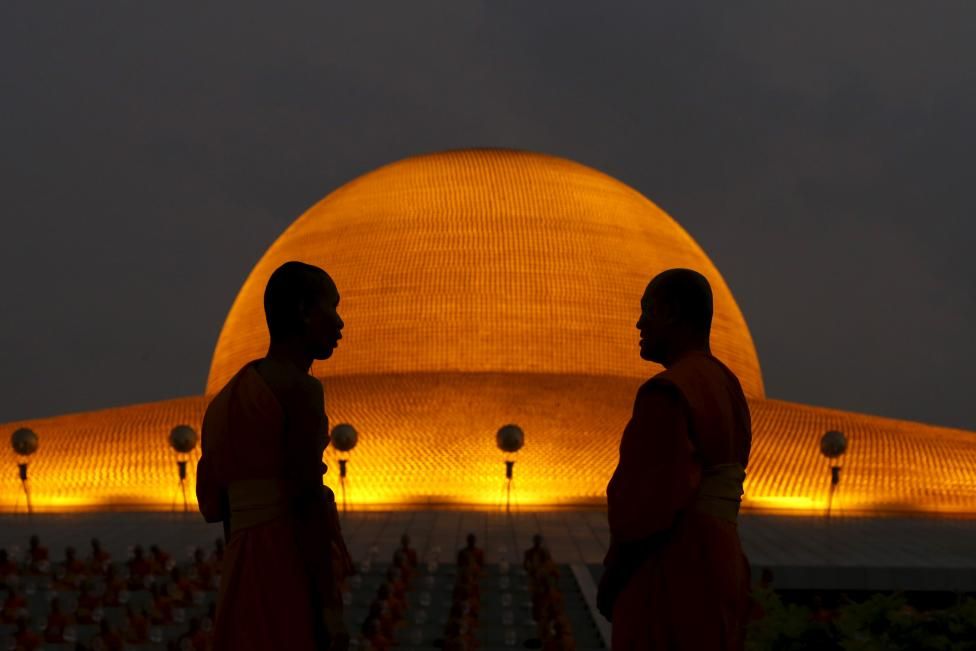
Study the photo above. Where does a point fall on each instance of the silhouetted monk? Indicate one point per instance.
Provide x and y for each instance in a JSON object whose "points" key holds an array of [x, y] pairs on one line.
{"points": [[261, 474], [675, 576]]}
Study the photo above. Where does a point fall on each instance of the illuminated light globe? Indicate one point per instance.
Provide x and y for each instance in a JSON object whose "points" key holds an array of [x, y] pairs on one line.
{"points": [[183, 438], [24, 442], [510, 438], [344, 437], [833, 444]]}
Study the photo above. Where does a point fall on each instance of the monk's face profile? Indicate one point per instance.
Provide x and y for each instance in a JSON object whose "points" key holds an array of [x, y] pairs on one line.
{"points": [[323, 325], [655, 324], [676, 316]]}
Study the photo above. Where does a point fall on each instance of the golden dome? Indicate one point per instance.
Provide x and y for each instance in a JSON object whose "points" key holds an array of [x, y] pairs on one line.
{"points": [[482, 288], [486, 261]]}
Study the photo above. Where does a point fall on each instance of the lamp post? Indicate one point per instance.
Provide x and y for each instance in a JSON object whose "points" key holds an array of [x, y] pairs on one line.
{"points": [[832, 445], [344, 439], [182, 439], [510, 439], [24, 442]]}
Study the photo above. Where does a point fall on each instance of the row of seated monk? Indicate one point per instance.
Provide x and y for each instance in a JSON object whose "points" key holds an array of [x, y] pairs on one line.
{"points": [[462, 619], [548, 604], [170, 588], [388, 608], [135, 629], [72, 572], [149, 592]]}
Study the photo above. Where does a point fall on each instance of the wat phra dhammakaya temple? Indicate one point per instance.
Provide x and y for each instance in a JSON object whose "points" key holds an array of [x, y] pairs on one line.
{"points": [[481, 288]]}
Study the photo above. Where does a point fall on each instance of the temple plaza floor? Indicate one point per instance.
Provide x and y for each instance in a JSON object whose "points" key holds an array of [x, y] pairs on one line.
{"points": [[844, 553]]}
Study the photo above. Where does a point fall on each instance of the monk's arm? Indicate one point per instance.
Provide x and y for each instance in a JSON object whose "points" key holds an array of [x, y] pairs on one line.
{"points": [[657, 474], [655, 479], [320, 538], [305, 420], [210, 494]]}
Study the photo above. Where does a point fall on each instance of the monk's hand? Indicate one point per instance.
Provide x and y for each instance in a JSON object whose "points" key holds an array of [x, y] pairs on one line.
{"points": [[335, 623]]}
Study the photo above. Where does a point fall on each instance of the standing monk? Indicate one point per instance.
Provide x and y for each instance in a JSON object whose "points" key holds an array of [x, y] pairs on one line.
{"points": [[675, 576], [261, 475]]}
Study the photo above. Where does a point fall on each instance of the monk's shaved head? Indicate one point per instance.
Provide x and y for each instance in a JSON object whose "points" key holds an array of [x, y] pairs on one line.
{"points": [[686, 295], [292, 288]]}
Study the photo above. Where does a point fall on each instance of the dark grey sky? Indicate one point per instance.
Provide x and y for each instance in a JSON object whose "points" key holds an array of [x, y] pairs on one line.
{"points": [[821, 153]]}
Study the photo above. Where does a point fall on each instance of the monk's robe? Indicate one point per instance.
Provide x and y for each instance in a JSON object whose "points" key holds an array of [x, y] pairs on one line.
{"points": [[263, 480], [675, 575]]}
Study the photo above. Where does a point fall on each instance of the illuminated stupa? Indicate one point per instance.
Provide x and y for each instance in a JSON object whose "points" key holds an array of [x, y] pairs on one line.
{"points": [[487, 287]]}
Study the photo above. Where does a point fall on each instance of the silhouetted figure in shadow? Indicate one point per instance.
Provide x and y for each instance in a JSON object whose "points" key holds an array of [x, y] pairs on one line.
{"points": [[100, 559], [24, 638], [37, 556], [57, 621], [471, 556], [261, 473], [9, 571], [535, 556], [675, 575], [409, 553]]}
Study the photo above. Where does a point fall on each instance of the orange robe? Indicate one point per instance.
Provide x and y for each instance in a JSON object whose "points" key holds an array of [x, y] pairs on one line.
{"points": [[686, 580], [276, 576]]}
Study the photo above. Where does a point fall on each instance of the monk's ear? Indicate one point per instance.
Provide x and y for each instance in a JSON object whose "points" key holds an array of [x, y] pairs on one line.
{"points": [[670, 313], [303, 312]]}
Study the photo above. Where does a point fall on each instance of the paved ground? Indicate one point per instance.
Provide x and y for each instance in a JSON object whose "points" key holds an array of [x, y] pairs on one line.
{"points": [[846, 553]]}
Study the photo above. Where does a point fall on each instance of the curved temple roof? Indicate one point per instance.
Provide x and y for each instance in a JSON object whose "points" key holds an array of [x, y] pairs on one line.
{"points": [[481, 288], [486, 261], [430, 439]]}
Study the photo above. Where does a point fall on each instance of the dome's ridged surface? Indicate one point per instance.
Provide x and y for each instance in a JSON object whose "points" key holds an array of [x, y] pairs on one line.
{"points": [[430, 439], [486, 261], [482, 288]]}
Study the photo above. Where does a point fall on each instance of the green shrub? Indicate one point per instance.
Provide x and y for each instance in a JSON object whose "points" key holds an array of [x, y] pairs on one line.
{"points": [[884, 622], [783, 627]]}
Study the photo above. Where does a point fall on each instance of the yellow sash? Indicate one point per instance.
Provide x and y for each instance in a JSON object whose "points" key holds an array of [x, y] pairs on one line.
{"points": [[721, 490], [256, 501]]}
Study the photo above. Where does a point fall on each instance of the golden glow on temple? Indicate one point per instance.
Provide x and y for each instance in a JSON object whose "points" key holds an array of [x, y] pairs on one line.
{"points": [[486, 261], [481, 288], [432, 443]]}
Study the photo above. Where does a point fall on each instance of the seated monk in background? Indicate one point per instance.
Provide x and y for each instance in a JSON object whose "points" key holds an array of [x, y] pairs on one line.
{"points": [[159, 561], [136, 625], [260, 474], [88, 602], [71, 572], [675, 575], [57, 621], [535, 556], [37, 556], [408, 552], [12, 605], [100, 559], [139, 569], [470, 556], [115, 585], [403, 566], [202, 571], [217, 556], [24, 638], [8, 569], [160, 606]]}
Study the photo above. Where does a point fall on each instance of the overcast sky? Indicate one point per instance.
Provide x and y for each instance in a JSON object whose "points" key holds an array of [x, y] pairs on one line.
{"points": [[820, 152]]}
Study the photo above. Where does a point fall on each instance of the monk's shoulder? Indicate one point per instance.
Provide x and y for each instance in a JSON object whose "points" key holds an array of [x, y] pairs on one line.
{"points": [[660, 390], [309, 388], [218, 403], [290, 385]]}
